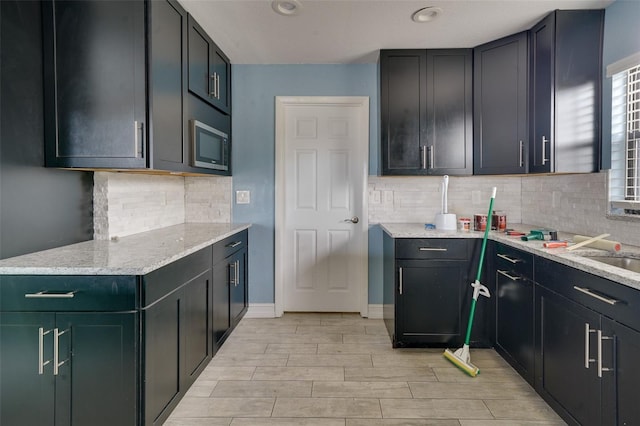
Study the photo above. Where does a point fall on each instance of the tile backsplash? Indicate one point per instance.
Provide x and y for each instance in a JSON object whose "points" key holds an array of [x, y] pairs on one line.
{"points": [[419, 199], [572, 203], [128, 203]]}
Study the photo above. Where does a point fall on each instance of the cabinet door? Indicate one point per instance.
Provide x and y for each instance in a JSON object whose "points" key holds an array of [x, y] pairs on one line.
{"points": [[221, 71], [500, 106], [403, 82], [96, 382], [429, 302], [162, 342], [26, 392], [238, 283], [95, 87], [200, 62], [542, 94], [564, 348], [620, 384], [221, 318], [514, 305], [449, 132], [168, 84], [196, 323]]}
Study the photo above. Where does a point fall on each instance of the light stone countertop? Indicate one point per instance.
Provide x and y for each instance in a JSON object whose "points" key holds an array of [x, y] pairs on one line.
{"points": [[136, 254], [575, 259]]}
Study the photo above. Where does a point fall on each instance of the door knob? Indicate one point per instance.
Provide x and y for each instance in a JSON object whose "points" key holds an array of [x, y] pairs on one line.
{"points": [[354, 219]]}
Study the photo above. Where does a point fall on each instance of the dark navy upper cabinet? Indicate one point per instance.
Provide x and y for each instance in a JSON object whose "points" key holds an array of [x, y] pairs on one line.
{"points": [[500, 106], [209, 69], [565, 90], [426, 111], [95, 94], [116, 83]]}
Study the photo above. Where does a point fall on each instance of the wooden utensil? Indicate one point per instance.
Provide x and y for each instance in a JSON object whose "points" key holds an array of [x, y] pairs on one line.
{"points": [[589, 241]]}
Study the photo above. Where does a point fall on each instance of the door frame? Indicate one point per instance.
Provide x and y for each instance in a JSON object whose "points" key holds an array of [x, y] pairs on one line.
{"points": [[362, 102]]}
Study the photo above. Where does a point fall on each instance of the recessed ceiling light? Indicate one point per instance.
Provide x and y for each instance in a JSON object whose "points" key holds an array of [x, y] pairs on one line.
{"points": [[426, 14], [286, 7]]}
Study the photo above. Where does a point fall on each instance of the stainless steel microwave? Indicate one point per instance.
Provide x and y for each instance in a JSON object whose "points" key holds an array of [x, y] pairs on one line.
{"points": [[210, 147]]}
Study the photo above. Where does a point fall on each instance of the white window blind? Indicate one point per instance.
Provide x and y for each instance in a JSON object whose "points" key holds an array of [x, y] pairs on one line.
{"points": [[624, 183], [632, 169]]}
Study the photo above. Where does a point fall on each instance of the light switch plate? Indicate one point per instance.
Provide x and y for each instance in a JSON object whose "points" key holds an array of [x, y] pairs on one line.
{"points": [[243, 197]]}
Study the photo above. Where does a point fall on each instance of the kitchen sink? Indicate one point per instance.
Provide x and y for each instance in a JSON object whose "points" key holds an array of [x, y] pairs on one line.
{"points": [[624, 262]]}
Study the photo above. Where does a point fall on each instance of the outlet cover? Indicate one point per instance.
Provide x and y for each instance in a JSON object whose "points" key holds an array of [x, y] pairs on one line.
{"points": [[243, 197]]}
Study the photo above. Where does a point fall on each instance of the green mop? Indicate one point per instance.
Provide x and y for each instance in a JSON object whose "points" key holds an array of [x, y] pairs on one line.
{"points": [[460, 358]]}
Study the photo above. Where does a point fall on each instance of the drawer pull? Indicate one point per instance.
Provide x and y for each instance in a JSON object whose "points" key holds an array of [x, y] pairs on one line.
{"points": [[41, 361], [506, 274], [44, 294], [604, 299], [400, 281], [234, 244], [432, 249], [509, 259]]}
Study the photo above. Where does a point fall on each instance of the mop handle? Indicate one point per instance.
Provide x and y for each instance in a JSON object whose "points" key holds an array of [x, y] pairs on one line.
{"points": [[486, 234], [467, 338]]}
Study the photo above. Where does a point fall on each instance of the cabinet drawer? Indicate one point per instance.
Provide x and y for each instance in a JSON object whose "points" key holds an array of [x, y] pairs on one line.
{"points": [[618, 302], [54, 293], [432, 248], [514, 261], [161, 282], [228, 246]]}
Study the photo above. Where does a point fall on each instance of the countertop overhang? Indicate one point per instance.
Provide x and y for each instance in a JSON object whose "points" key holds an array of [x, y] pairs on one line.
{"points": [[136, 254], [576, 259]]}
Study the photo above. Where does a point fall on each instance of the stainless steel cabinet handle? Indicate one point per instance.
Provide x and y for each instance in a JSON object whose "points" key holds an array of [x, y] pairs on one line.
{"points": [[218, 86], [432, 249], [589, 292], [506, 274], [234, 244], [400, 280], [41, 361], [56, 350], [212, 85], [521, 161], [432, 157], [600, 339], [232, 274], [509, 259], [423, 151], [138, 139], [354, 219], [587, 331], [544, 150], [237, 272], [45, 295]]}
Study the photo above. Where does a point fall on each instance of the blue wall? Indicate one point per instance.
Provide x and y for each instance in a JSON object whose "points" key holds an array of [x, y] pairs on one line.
{"points": [[254, 90], [621, 39]]}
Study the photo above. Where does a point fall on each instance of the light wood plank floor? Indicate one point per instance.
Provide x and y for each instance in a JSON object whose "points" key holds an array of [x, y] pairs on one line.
{"points": [[340, 370]]}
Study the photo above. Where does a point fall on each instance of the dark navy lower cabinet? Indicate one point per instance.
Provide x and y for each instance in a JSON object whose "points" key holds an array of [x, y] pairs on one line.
{"points": [[115, 350], [427, 292], [68, 368], [514, 308], [587, 344]]}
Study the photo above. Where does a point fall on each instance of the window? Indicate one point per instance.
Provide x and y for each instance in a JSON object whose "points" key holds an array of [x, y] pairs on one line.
{"points": [[624, 185], [632, 177]]}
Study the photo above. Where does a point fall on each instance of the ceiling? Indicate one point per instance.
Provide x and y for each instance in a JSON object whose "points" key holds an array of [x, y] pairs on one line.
{"points": [[352, 31]]}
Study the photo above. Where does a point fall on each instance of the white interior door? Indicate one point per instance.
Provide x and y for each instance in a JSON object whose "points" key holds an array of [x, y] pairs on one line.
{"points": [[321, 245]]}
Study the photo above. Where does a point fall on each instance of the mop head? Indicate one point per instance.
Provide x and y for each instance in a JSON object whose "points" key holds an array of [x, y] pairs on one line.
{"points": [[461, 359]]}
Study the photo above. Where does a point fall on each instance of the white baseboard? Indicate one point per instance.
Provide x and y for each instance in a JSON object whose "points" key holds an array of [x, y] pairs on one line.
{"points": [[268, 310], [375, 311], [261, 310]]}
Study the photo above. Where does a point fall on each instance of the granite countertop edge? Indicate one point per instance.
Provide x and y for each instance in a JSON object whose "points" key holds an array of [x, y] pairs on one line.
{"points": [[576, 259], [137, 254]]}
